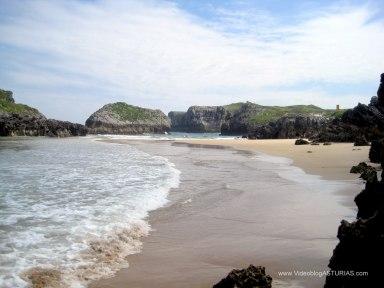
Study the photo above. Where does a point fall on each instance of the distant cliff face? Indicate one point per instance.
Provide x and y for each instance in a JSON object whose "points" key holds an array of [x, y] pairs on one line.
{"points": [[272, 122], [198, 119], [121, 118], [288, 127], [22, 120], [250, 118]]}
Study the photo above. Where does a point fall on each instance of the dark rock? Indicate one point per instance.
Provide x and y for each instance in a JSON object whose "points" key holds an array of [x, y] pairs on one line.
{"points": [[361, 246], [38, 125], [358, 169], [57, 128], [289, 127], [380, 92], [361, 141], [301, 142], [369, 174], [315, 143], [362, 121], [252, 277], [22, 120], [376, 153], [327, 143]]}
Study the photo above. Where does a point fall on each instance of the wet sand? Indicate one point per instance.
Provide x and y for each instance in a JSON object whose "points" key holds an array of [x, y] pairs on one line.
{"points": [[234, 208], [331, 162]]}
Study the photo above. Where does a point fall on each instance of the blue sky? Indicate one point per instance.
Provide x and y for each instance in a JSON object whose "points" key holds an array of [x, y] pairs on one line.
{"points": [[68, 58]]}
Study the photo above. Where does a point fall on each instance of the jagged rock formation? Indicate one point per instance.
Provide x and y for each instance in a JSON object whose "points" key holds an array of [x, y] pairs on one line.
{"points": [[362, 121], [121, 118], [199, 119], [361, 246], [249, 118], [271, 122], [22, 120], [252, 277], [288, 127]]}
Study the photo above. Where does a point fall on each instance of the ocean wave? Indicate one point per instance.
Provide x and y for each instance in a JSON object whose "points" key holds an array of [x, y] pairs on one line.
{"points": [[75, 209]]}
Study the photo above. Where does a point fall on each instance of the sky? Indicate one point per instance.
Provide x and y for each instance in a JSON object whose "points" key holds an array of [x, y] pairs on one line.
{"points": [[69, 58]]}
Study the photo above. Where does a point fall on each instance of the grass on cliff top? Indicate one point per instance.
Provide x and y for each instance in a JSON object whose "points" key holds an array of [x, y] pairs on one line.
{"points": [[266, 114], [9, 107], [126, 112], [272, 113]]}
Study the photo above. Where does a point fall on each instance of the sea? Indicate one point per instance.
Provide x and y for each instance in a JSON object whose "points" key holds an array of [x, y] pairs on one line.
{"points": [[75, 208]]}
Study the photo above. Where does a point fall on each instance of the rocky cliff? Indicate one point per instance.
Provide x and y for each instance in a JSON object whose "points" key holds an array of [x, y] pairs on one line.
{"points": [[270, 122], [288, 127], [249, 118], [22, 120], [198, 119], [361, 246], [121, 118]]}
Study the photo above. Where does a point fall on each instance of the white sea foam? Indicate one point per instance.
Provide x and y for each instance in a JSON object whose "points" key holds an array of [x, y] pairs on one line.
{"points": [[73, 209]]}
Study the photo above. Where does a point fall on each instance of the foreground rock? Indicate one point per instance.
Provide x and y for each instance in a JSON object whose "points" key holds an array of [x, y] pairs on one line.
{"points": [[356, 259], [121, 118], [301, 142], [252, 277], [22, 120]]}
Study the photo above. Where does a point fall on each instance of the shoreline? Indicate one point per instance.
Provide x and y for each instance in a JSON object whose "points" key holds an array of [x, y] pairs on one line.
{"points": [[212, 271], [331, 162]]}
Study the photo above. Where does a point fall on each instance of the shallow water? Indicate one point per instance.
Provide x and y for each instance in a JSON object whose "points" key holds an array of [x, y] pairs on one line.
{"points": [[232, 209], [75, 206]]}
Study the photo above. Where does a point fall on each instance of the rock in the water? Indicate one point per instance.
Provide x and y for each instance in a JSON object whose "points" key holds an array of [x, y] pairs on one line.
{"points": [[252, 277], [301, 142], [22, 120], [361, 141], [121, 118]]}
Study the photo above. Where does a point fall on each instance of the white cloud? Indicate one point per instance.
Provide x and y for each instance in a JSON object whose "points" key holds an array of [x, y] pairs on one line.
{"points": [[152, 53]]}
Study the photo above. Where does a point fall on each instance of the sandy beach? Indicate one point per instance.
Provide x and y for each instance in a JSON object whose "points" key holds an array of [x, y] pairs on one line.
{"points": [[331, 162], [236, 206]]}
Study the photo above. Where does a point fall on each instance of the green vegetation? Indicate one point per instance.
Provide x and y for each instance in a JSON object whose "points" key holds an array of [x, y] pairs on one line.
{"points": [[258, 114], [234, 107], [126, 112], [7, 105]]}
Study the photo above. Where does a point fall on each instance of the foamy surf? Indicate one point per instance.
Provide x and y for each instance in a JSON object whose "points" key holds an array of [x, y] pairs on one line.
{"points": [[74, 209]]}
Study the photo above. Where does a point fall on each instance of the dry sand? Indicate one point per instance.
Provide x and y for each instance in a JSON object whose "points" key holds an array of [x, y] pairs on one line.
{"points": [[331, 162]]}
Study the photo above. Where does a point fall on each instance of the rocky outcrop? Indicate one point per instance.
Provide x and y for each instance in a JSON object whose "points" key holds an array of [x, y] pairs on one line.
{"points": [[301, 142], [199, 119], [252, 277], [362, 121], [22, 120], [121, 118], [289, 127], [355, 260]]}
